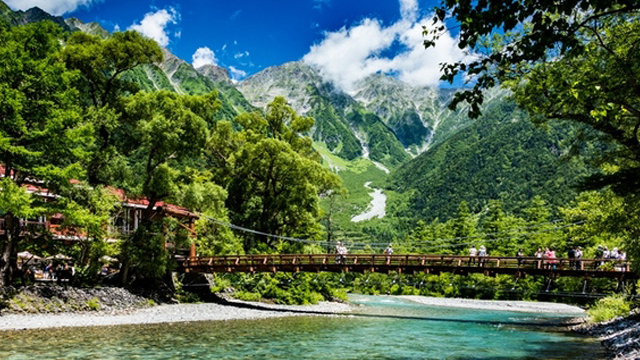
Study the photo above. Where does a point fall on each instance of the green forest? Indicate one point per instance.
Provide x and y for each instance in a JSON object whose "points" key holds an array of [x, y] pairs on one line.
{"points": [[555, 163], [76, 124]]}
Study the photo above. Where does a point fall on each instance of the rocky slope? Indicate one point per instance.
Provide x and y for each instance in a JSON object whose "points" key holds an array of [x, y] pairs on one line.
{"points": [[620, 336], [46, 298]]}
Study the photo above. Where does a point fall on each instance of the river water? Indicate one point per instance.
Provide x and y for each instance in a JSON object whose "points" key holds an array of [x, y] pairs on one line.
{"points": [[384, 328]]}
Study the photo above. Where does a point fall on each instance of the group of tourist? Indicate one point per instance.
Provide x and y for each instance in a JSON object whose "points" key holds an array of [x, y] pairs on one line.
{"points": [[602, 252], [547, 259], [479, 253], [52, 272]]}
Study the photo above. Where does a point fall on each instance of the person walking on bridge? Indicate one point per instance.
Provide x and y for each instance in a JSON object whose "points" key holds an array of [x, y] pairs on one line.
{"points": [[473, 253], [342, 253], [482, 254], [578, 257], [539, 255], [388, 251]]}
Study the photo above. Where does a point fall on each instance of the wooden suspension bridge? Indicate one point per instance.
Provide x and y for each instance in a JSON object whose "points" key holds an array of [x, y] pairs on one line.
{"points": [[429, 264]]}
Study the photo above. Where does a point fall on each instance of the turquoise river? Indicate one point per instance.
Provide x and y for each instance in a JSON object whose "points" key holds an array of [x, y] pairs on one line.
{"points": [[383, 328]]}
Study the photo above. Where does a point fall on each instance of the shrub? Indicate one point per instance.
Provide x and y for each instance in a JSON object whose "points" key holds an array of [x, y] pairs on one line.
{"points": [[93, 304], [608, 308], [247, 296]]}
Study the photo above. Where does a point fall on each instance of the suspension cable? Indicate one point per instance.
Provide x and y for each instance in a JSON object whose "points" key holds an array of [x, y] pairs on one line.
{"points": [[514, 232]]}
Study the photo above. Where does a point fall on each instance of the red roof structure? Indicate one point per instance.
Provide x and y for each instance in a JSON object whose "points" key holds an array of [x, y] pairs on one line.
{"points": [[127, 220]]}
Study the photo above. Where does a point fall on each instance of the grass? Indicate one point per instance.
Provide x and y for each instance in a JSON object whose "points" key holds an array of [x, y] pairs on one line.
{"points": [[93, 304], [608, 308]]}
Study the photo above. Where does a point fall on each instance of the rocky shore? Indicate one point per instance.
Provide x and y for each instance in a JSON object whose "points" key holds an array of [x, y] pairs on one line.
{"points": [[46, 298], [620, 336], [44, 306]]}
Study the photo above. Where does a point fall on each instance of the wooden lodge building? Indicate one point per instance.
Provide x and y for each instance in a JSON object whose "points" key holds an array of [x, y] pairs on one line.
{"points": [[124, 222]]}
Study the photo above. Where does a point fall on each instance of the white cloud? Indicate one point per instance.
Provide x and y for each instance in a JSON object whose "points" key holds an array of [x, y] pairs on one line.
{"points": [[241, 54], [351, 54], [54, 7], [154, 25], [409, 10], [237, 74], [204, 56]]}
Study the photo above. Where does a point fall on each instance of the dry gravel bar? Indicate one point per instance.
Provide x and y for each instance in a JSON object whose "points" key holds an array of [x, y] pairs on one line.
{"points": [[498, 305], [245, 310], [164, 314]]}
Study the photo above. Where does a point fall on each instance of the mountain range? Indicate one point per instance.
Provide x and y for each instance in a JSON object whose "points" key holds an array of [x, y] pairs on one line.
{"points": [[436, 157]]}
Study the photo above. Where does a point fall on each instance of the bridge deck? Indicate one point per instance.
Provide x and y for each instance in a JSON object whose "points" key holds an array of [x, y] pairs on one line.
{"points": [[434, 264]]}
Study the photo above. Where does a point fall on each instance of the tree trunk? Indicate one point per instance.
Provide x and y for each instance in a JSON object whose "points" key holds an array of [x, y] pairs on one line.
{"points": [[138, 236], [9, 244]]}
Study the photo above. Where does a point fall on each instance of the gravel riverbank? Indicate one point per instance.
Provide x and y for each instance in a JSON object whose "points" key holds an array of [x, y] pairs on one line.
{"points": [[50, 307], [498, 305], [166, 314]]}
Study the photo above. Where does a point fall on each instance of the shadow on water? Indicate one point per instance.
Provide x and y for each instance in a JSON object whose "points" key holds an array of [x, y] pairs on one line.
{"points": [[548, 324]]}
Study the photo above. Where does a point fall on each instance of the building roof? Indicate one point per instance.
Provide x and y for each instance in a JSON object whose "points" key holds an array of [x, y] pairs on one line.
{"points": [[36, 187]]}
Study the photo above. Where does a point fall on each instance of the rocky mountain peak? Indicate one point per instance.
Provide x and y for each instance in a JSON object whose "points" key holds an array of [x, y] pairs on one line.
{"points": [[32, 15], [92, 28], [291, 80], [215, 73]]}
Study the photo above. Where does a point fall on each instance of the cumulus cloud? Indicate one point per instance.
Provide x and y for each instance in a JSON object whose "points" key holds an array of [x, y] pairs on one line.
{"points": [[54, 7], [203, 56], [409, 10], [154, 25], [353, 53]]}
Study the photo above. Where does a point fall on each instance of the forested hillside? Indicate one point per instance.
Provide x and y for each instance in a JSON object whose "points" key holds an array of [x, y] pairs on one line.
{"points": [[501, 156]]}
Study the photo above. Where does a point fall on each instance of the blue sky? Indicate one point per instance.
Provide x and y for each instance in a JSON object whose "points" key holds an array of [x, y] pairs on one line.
{"points": [[345, 39]]}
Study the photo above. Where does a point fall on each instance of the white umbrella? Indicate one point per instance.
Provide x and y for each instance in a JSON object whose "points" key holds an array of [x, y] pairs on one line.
{"points": [[108, 259], [28, 256], [58, 257]]}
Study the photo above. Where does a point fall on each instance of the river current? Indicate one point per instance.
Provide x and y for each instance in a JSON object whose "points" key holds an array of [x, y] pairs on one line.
{"points": [[383, 328]]}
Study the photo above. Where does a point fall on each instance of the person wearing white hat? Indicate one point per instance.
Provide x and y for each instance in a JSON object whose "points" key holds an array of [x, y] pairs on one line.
{"points": [[482, 254], [388, 251]]}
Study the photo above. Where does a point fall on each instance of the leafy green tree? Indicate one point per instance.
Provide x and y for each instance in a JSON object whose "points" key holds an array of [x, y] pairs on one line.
{"points": [[101, 64], [527, 33], [208, 199], [168, 133], [42, 135], [500, 230], [463, 223], [271, 172], [86, 213], [607, 221], [597, 88]]}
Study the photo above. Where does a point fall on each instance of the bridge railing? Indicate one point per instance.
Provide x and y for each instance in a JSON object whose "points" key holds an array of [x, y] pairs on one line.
{"points": [[400, 261]]}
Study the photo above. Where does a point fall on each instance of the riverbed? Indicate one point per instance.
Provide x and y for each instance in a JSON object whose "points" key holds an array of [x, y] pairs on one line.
{"points": [[377, 206], [380, 327]]}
